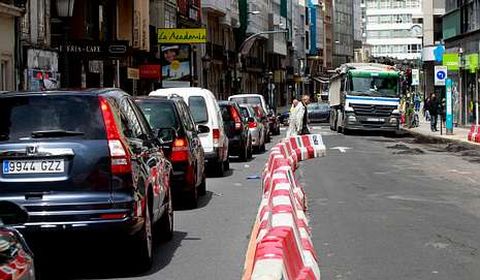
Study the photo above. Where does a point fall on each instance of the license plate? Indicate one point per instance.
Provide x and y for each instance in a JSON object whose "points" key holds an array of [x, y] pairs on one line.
{"points": [[375, 120], [33, 166]]}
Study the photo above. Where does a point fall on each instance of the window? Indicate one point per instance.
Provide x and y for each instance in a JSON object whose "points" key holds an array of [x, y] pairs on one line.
{"points": [[22, 115], [130, 124], [159, 114], [198, 107]]}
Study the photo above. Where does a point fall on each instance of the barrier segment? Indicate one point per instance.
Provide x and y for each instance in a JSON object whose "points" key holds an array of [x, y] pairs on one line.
{"points": [[280, 245], [473, 134]]}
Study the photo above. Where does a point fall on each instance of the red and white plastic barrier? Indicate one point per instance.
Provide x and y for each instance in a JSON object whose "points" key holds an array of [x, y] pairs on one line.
{"points": [[474, 134], [280, 244]]}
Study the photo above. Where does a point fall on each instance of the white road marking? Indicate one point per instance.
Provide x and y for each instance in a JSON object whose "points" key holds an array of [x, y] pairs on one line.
{"points": [[341, 149]]}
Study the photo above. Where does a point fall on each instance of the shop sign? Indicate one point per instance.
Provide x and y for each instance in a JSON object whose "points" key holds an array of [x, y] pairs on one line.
{"points": [[133, 73], [149, 71], [452, 61], [471, 62], [182, 35], [112, 49], [415, 77]]}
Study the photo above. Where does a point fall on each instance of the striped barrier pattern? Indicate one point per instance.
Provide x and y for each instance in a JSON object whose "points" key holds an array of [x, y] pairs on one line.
{"points": [[474, 134], [280, 245]]}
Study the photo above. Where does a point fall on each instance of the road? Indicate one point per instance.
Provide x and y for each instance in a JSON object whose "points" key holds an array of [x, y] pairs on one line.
{"points": [[380, 208], [209, 242], [391, 208]]}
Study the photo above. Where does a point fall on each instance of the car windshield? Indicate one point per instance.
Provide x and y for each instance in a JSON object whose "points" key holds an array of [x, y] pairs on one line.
{"points": [[159, 114], [198, 107], [244, 111], [254, 100], [374, 86], [29, 116]]}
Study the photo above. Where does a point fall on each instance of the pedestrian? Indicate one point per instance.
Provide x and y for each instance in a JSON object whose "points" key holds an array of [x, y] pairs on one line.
{"points": [[292, 130], [433, 109], [426, 111], [301, 116], [417, 102]]}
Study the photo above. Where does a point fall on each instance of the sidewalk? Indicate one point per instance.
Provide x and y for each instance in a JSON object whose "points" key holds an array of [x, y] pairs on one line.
{"points": [[460, 135]]}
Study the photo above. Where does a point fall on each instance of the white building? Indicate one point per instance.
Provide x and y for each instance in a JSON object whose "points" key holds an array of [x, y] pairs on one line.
{"points": [[394, 28]]}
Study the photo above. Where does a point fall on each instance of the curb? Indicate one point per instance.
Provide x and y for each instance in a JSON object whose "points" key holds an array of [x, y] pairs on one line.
{"points": [[433, 139]]}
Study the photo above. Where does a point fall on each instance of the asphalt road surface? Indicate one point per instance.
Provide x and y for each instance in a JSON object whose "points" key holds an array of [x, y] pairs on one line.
{"points": [[393, 208], [209, 242], [380, 208]]}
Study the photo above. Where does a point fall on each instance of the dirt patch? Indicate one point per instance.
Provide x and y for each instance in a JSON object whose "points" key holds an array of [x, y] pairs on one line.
{"points": [[399, 147], [413, 151], [456, 148]]}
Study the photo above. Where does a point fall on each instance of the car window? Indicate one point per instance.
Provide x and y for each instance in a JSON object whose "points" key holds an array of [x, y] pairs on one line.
{"points": [[187, 117], [225, 113], [146, 128], [130, 124], [198, 107], [244, 111], [254, 100], [22, 115], [159, 114]]}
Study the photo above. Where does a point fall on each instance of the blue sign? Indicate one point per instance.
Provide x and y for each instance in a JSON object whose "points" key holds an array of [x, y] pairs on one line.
{"points": [[438, 52], [449, 108], [441, 75]]}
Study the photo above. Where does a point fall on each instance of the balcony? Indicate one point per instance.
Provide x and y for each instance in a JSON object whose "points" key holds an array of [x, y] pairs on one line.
{"points": [[216, 6]]}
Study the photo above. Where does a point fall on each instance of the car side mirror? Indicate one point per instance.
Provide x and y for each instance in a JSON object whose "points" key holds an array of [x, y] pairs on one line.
{"points": [[203, 129], [12, 213], [167, 135]]}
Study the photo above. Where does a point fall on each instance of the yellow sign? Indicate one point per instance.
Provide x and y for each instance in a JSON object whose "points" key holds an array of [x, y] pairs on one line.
{"points": [[182, 35]]}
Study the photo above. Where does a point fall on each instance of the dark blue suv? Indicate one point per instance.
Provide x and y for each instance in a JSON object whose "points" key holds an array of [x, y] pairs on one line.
{"points": [[85, 160]]}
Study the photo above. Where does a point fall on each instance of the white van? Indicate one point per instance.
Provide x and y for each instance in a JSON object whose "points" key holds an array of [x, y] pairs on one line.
{"points": [[205, 111]]}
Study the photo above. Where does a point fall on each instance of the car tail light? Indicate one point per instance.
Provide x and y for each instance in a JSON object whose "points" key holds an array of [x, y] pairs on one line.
{"points": [[179, 150], [236, 118], [252, 124], [216, 136], [119, 154]]}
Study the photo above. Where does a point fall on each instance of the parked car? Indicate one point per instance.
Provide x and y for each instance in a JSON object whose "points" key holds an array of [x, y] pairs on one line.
{"points": [[236, 127], [318, 112], [273, 123], [171, 117], [16, 258], [251, 99], [256, 127], [205, 111], [262, 116], [85, 160], [284, 117]]}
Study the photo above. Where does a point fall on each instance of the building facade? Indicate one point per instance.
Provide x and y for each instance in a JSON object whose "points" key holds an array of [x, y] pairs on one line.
{"points": [[394, 28], [432, 42], [9, 16], [343, 29], [461, 34]]}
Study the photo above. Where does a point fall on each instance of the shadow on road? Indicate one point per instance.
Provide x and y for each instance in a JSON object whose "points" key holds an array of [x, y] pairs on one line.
{"points": [[73, 256]]}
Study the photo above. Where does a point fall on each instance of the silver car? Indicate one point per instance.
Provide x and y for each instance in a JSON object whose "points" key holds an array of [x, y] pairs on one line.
{"points": [[256, 127]]}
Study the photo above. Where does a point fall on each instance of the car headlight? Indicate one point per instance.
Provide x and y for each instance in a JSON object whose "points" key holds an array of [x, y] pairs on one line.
{"points": [[352, 119]]}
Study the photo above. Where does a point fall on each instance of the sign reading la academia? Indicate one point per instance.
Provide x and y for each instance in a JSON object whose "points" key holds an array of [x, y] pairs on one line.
{"points": [[182, 36]]}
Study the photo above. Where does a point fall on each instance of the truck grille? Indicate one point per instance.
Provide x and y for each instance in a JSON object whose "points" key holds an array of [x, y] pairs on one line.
{"points": [[373, 110]]}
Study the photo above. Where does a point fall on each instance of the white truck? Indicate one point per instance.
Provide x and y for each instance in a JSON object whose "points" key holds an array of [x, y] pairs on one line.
{"points": [[365, 96]]}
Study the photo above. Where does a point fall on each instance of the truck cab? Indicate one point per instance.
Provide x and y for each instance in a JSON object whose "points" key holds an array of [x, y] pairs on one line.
{"points": [[365, 97]]}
